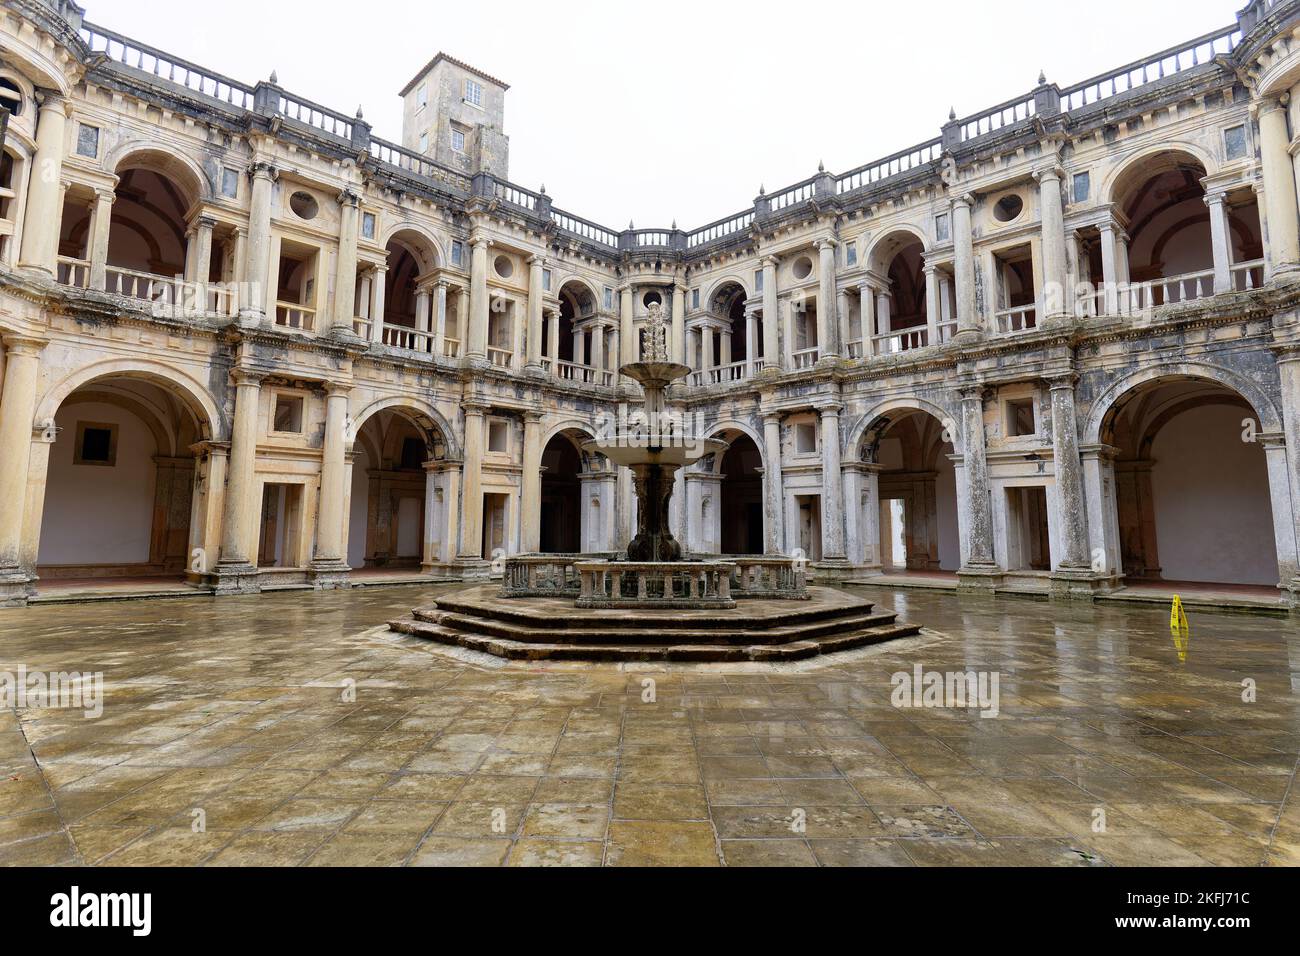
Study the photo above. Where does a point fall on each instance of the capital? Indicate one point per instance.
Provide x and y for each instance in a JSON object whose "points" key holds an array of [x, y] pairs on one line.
{"points": [[246, 378], [24, 345]]}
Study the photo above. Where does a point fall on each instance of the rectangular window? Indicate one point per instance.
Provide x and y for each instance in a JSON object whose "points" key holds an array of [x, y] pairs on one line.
{"points": [[851, 254], [941, 229], [498, 437], [87, 140], [368, 225], [1020, 418], [609, 299], [546, 280], [288, 415], [695, 298], [230, 183], [1082, 186], [1234, 140], [422, 95], [473, 93], [805, 439], [457, 253], [424, 142], [758, 280], [458, 141], [96, 445]]}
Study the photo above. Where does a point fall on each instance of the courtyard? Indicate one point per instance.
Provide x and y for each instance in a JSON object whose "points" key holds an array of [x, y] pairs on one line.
{"points": [[291, 729]]}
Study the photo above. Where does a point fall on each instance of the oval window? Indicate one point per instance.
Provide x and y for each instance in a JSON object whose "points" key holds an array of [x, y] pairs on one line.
{"points": [[803, 268], [304, 205], [505, 268], [652, 298], [1008, 208]]}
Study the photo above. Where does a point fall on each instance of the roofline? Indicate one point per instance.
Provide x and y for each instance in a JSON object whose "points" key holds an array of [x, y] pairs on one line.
{"points": [[454, 62]]}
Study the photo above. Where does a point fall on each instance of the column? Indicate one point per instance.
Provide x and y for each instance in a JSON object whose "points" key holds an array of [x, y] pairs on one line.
{"points": [[1280, 210], [17, 414], [1054, 253], [724, 358], [931, 304], [771, 316], [773, 486], [832, 487], [40, 245], [627, 327], [329, 565], [378, 291], [1284, 472], [751, 340], [597, 359], [101, 218], [1220, 242], [842, 329], [536, 281], [1109, 268], [979, 506], [476, 344], [531, 505], [257, 264], [678, 352], [462, 320], [423, 302], [867, 308], [440, 314], [201, 238], [471, 510], [1072, 509], [870, 530], [968, 321], [345, 276], [827, 325], [241, 508], [553, 340], [707, 362], [884, 311]]}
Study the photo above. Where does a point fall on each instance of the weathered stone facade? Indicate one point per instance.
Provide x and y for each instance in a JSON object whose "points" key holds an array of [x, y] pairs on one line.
{"points": [[321, 351]]}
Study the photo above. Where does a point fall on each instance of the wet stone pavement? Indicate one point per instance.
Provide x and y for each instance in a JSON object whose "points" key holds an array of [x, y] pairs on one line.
{"points": [[286, 730]]}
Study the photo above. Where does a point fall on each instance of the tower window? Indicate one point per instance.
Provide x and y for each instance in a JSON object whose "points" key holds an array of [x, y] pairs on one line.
{"points": [[458, 141], [473, 93]]}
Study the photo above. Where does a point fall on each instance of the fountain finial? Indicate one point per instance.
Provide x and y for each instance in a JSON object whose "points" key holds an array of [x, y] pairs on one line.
{"points": [[654, 340]]}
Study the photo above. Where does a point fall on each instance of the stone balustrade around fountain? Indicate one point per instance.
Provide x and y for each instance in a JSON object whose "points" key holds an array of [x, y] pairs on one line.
{"points": [[655, 584]]}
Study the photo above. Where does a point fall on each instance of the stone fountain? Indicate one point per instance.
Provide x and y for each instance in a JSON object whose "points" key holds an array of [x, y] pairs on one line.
{"points": [[653, 604], [655, 446]]}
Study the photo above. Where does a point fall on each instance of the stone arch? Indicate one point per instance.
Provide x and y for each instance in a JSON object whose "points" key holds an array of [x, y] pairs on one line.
{"points": [[164, 160], [194, 396], [558, 283], [889, 243], [1108, 401], [721, 282], [911, 404], [415, 409], [1139, 167], [420, 242], [733, 425]]}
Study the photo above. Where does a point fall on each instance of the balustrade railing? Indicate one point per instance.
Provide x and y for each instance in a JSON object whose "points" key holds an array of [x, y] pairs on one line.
{"points": [[793, 196], [890, 166], [297, 318], [451, 348], [892, 343], [1248, 276], [74, 272], [1021, 318], [725, 374], [805, 358], [407, 338], [136, 285], [720, 230], [501, 358], [162, 65], [611, 584], [317, 117], [515, 195], [584, 229], [999, 117]]}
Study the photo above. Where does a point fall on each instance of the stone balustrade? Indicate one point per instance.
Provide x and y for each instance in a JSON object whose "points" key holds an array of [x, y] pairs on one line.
{"points": [[627, 584], [542, 575], [770, 579]]}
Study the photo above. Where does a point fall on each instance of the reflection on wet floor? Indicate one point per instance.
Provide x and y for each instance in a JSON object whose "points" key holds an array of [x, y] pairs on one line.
{"points": [[283, 730]]}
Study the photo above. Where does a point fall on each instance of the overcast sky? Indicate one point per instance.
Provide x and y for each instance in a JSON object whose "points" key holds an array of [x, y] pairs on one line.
{"points": [[676, 109]]}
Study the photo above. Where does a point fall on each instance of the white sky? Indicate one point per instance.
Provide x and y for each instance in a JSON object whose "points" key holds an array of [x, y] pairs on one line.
{"points": [[676, 108]]}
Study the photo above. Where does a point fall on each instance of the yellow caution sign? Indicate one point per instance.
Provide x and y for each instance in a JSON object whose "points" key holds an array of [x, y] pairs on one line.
{"points": [[1181, 628]]}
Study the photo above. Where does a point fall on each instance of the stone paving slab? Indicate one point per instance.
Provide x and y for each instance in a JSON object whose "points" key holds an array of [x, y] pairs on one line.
{"points": [[292, 729]]}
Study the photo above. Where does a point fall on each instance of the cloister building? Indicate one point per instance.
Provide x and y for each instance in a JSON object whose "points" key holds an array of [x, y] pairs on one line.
{"points": [[249, 344]]}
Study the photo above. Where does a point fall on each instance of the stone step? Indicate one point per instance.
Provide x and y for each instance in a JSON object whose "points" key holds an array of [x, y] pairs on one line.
{"points": [[660, 653], [563, 617], [737, 634]]}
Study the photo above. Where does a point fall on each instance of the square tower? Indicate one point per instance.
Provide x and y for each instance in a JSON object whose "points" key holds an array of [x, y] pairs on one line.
{"points": [[455, 115]]}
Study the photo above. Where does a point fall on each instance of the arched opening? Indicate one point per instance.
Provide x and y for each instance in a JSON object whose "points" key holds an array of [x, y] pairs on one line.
{"points": [[397, 517], [907, 496], [126, 494], [11, 185], [411, 305], [1166, 249], [898, 318], [570, 341], [562, 515], [741, 509], [1191, 485]]}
